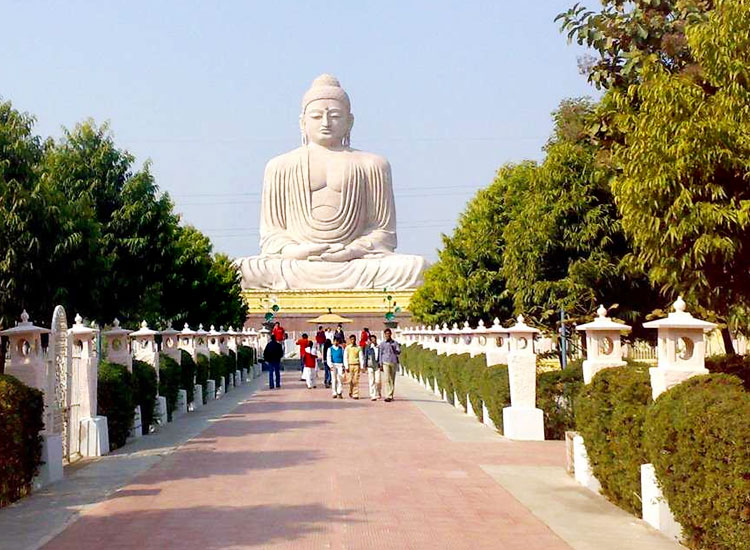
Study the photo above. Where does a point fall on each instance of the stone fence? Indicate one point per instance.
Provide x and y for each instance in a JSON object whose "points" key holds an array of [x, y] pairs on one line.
{"points": [[680, 354], [63, 363]]}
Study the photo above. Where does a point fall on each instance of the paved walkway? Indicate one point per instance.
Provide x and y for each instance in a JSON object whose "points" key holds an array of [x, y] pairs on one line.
{"points": [[294, 468]]}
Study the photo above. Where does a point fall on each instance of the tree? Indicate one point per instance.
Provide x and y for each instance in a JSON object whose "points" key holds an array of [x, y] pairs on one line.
{"points": [[684, 167], [564, 244], [626, 33], [465, 283], [202, 287], [130, 251]]}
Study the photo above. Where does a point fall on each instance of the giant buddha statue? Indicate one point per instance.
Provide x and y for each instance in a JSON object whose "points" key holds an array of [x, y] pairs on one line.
{"points": [[328, 218]]}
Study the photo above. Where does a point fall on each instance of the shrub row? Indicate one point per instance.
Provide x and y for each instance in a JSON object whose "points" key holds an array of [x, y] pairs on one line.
{"points": [[115, 400], [169, 382], [470, 376], [21, 420], [697, 435], [144, 392]]}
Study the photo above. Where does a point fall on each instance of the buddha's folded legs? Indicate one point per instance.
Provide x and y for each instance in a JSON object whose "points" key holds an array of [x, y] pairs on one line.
{"points": [[392, 271]]}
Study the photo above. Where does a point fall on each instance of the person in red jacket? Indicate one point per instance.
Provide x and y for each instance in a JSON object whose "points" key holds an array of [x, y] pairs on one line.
{"points": [[279, 333], [303, 343], [364, 338]]}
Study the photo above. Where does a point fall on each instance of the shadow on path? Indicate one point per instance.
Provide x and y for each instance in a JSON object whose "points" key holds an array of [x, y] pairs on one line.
{"points": [[203, 527]]}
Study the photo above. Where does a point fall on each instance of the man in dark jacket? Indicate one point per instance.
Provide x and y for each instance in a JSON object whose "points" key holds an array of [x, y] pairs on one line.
{"points": [[272, 355]]}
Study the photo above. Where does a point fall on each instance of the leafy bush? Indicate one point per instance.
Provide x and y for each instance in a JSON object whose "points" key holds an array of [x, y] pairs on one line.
{"points": [[246, 357], [737, 365], [609, 414], [169, 382], [115, 401], [697, 435], [231, 363], [495, 391], [555, 395], [21, 420], [144, 392], [202, 374], [187, 375], [217, 368]]}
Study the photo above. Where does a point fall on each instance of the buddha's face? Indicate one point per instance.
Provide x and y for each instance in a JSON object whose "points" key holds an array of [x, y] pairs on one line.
{"points": [[326, 122]]}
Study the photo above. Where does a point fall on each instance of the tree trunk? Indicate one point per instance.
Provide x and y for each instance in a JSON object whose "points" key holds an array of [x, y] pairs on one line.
{"points": [[728, 344]]}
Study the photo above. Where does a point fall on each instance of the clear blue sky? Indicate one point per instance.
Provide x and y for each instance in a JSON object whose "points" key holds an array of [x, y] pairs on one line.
{"points": [[209, 91]]}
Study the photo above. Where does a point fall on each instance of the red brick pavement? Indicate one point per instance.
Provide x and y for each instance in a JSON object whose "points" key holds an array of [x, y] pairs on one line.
{"points": [[294, 468]]}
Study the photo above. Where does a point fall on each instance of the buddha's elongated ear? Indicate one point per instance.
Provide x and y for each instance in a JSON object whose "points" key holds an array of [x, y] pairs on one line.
{"points": [[302, 128], [346, 141]]}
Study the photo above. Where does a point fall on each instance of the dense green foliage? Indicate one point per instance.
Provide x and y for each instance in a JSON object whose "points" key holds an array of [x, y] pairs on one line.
{"points": [[21, 420], [736, 365], [609, 414], [202, 373], [556, 393], [81, 226], [144, 392], [218, 368], [114, 394], [187, 376], [169, 382], [573, 258], [471, 377], [697, 436], [246, 358]]}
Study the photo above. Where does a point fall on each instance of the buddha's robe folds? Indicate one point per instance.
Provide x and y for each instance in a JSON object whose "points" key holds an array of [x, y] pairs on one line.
{"points": [[365, 218]]}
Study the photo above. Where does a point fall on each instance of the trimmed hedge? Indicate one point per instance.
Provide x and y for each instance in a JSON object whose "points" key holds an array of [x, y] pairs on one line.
{"points": [[114, 396], [21, 420], [144, 392], [169, 382], [202, 374], [217, 368], [697, 435], [470, 376], [737, 365], [556, 393], [609, 414], [187, 375], [246, 357]]}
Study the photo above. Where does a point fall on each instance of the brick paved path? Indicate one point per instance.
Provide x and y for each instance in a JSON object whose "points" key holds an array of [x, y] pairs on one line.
{"points": [[294, 468]]}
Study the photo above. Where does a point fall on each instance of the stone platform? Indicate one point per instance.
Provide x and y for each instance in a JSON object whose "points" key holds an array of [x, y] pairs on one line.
{"points": [[366, 307]]}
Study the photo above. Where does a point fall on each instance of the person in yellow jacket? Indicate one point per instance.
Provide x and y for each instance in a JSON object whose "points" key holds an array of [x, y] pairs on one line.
{"points": [[352, 364]]}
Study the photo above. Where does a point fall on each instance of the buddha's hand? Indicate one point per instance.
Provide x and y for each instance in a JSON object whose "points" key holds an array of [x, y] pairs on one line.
{"points": [[351, 252], [303, 251]]}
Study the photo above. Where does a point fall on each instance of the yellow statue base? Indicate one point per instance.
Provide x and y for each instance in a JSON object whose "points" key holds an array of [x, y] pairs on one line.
{"points": [[316, 302]]}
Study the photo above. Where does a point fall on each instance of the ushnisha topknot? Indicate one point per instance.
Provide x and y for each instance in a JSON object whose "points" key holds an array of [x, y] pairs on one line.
{"points": [[326, 86]]}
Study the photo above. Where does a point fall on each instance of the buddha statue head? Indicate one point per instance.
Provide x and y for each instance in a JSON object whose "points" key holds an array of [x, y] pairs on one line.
{"points": [[326, 117]]}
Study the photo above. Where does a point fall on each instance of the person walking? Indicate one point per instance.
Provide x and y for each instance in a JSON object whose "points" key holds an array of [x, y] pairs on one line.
{"points": [[280, 334], [352, 362], [364, 338], [371, 361], [389, 352], [335, 359], [326, 364], [272, 355], [339, 334], [320, 339], [302, 343], [310, 359]]}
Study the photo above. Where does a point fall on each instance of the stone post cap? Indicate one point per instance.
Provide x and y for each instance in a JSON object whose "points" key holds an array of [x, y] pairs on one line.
{"points": [[79, 329], [521, 327], [497, 327], [186, 330], [143, 331], [603, 323], [680, 318], [116, 330], [25, 327]]}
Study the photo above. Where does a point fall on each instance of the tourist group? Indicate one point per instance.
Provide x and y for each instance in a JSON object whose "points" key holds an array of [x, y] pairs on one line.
{"points": [[341, 361]]}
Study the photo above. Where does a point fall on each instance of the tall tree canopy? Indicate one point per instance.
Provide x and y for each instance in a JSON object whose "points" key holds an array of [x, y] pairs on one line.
{"points": [[683, 183], [80, 225]]}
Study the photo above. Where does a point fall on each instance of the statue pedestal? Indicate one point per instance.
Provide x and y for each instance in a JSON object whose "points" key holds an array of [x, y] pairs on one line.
{"points": [[523, 423], [366, 307]]}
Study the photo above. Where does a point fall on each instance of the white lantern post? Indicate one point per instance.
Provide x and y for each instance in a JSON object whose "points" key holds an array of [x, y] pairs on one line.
{"points": [[603, 346], [27, 362], [681, 355], [94, 434], [522, 420], [144, 348]]}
